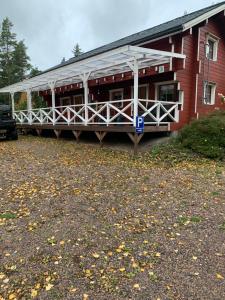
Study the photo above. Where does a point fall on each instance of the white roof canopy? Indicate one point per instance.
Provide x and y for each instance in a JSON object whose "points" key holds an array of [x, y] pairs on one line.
{"points": [[109, 63]]}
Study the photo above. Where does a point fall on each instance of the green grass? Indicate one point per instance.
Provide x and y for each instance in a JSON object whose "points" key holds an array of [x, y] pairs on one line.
{"points": [[184, 220], [7, 216], [215, 193], [222, 226], [196, 219]]}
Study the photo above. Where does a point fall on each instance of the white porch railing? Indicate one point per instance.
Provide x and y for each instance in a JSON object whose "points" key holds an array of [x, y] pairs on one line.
{"points": [[102, 113]]}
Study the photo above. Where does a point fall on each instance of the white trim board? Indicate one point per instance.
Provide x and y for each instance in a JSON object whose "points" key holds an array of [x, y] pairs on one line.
{"points": [[106, 64], [203, 17]]}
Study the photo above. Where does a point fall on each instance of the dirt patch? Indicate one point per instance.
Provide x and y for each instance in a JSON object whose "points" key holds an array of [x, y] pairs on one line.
{"points": [[80, 222]]}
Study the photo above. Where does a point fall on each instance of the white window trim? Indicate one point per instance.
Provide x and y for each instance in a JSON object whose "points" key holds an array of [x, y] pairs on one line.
{"points": [[215, 40], [64, 98], [213, 94], [157, 84], [116, 90], [141, 85], [80, 95]]}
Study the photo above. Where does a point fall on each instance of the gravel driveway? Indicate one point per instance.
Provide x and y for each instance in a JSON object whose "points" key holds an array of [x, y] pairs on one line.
{"points": [[81, 222]]}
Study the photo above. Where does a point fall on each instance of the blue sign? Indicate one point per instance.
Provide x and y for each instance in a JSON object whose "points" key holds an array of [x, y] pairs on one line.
{"points": [[140, 124]]}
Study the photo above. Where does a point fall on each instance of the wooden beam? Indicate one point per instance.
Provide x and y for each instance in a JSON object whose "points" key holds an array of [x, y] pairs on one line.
{"points": [[111, 128], [39, 131], [77, 134], [57, 133], [25, 131], [100, 135], [135, 138]]}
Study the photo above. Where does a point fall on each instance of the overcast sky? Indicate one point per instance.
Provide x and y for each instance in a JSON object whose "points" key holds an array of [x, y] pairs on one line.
{"points": [[51, 28]]}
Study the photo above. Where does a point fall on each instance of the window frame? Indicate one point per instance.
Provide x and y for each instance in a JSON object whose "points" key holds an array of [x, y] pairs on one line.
{"points": [[75, 96], [213, 93], [64, 98], [175, 84], [146, 85], [119, 105], [212, 38]]}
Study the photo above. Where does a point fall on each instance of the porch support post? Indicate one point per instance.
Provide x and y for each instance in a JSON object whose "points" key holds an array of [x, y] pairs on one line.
{"points": [[134, 67], [77, 134], [29, 105], [84, 79], [52, 87], [13, 103], [100, 135], [135, 138], [29, 100]]}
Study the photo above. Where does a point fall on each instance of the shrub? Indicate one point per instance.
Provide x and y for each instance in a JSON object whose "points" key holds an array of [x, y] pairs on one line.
{"points": [[206, 136]]}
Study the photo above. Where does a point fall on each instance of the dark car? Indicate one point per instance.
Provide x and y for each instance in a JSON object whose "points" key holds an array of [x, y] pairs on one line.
{"points": [[7, 123]]}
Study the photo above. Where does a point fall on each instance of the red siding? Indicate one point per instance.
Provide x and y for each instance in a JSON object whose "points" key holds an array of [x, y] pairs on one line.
{"points": [[216, 72]]}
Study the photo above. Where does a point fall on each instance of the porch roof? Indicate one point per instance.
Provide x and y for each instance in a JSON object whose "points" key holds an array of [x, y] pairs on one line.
{"points": [[109, 63]]}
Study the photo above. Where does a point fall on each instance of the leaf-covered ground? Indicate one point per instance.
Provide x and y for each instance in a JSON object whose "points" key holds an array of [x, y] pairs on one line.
{"points": [[80, 222]]}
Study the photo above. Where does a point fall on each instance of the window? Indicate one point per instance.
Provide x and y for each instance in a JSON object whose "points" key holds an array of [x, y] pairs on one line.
{"points": [[212, 47], [116, 95], [142, 92], [168, 92], [65, 101], [209, 93], [77, 99]]}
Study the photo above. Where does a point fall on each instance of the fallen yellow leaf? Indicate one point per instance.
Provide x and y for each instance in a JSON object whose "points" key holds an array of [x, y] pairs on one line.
{"points": [[134, 265], [218, 276], [48, 278], [85, 296], [37, 286], [95, 255], [49, 287], [122, 269], [136, 286], [34, 293]]}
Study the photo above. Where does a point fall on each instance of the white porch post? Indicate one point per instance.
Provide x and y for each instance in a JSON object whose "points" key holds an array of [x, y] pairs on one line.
{"points": [[84, 79], [29, 100], [29, 105], [134, 67], [13, 103], [52, 87]]}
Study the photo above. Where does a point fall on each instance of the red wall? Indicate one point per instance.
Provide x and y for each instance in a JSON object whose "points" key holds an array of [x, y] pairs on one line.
{"points": [[216, 26]]}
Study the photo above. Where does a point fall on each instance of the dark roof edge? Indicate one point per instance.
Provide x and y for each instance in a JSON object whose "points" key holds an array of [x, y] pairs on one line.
{"points": [[143, 40]]}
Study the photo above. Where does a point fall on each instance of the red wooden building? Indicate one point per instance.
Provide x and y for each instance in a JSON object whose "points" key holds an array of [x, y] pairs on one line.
{"points": [[169, 74]]}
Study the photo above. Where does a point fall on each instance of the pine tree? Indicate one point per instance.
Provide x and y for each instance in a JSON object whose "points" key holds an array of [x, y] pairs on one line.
{"points": [[7, 48], [63, 60], [14, 61], [34, 72], [77, 50], [20, 61]]}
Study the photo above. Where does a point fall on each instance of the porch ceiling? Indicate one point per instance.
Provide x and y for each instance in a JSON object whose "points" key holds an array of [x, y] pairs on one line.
{"points": [[102, 65]]}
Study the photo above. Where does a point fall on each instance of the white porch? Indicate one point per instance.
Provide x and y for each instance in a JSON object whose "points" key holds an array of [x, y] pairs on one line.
{"points": [[103, 113], [121, 112]]}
